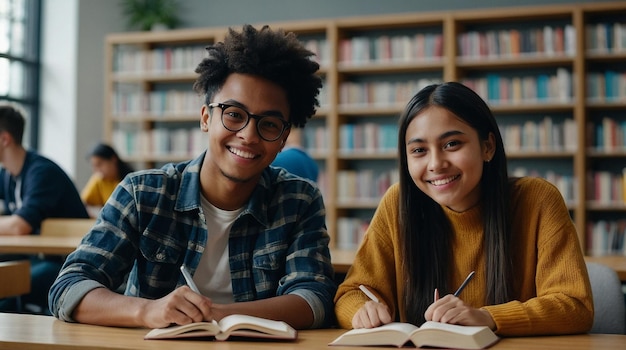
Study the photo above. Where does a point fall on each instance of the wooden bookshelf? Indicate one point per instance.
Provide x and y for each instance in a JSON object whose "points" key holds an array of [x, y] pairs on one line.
{"points": [[372, 65]]}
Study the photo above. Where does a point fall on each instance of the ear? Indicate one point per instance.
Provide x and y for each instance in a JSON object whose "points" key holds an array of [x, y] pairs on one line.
{"points": [[5, 138], [205, 118], [489, 147], [284, 140]]}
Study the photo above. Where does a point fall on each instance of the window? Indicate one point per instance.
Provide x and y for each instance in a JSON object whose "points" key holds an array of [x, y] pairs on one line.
{"points": [[19, 60]]}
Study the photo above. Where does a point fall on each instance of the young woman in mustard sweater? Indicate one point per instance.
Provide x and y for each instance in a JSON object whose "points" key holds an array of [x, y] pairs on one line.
{"points": [[455, 211]]}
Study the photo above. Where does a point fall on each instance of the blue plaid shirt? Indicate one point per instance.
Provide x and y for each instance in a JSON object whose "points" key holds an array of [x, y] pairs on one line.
{"points": [[153, 223]]}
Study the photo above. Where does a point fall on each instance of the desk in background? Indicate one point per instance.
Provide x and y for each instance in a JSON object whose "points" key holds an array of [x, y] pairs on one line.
{"points": [[32, 244], [33, 332]]}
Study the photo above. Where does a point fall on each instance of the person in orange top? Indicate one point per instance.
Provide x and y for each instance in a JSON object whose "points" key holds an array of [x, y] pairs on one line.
{"points": [[108, 170], [455, 210]]}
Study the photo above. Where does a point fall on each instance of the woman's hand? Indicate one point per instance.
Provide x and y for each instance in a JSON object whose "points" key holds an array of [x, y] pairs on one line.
{"points": [[370, 315], [451, 309]]}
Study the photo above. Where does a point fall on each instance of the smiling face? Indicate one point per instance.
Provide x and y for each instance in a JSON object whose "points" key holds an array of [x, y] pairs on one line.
{"points": [[240, 157], [445, 157]]}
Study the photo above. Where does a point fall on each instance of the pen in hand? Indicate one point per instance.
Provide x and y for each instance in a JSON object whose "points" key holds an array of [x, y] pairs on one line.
{"points": [[189, 279], [467, 279], [368, 293]]}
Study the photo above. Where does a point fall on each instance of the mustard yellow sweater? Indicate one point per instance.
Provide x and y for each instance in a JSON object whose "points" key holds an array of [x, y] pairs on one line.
{"points": [[553, 294], [97, 190]]}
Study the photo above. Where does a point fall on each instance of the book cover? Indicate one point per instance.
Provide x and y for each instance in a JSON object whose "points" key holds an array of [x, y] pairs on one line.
{"points": [[232, 325], [431, 334]]}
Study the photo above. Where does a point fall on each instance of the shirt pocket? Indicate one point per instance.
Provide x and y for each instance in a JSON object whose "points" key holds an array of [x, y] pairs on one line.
{"points": [[158, 249], [269, 267]]}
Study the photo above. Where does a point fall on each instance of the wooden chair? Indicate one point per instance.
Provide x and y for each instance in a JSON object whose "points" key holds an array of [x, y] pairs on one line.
{"points": [[15, 277], [66, 227]]}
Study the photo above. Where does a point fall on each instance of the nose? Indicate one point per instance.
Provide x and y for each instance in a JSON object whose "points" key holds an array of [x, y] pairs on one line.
{"points": [[436, 161], [249, 132]]}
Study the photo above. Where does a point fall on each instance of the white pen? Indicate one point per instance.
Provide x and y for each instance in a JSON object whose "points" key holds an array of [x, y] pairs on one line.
{"points": [[189, 279], [368, 293]]}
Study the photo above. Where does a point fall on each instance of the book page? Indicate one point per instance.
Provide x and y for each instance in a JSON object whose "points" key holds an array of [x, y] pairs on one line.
{"points": [[453, 336], [466, 330], [394, 333], [198, 329], [251, 326]]}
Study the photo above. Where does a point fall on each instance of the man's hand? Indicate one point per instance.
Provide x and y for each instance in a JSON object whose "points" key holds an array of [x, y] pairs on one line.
{"points": [[182, 306]]}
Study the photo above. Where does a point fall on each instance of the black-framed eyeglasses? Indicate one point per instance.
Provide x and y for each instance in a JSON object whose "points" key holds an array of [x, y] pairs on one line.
{"points": [[235, 118]]}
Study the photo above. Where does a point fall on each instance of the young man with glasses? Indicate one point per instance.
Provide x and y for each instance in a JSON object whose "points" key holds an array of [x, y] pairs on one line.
{"points": [[252, 236]]}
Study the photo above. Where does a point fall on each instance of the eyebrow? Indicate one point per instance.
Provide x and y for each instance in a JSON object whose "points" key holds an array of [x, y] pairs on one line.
{"points": [[441, 137], [268, 113]]}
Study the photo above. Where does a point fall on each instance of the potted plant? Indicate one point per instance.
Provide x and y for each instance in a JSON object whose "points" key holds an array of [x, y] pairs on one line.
{"points": [[150, 14]]}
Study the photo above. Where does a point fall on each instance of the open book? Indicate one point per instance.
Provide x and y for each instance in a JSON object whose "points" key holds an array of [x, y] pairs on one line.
{"points": [[433, 334], [232, 325]]}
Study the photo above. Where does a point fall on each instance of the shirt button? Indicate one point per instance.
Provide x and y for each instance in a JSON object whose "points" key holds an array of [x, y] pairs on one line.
{"points": [[160, 256]]}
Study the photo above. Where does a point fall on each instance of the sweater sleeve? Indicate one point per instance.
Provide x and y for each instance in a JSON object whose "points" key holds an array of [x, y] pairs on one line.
{"points": [[555, 292], [374, 264], [89, 193]]}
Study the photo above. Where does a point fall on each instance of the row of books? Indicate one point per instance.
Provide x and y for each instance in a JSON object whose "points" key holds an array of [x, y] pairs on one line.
{"points": [[391, 48], [606, 237], [605, 37], [130, 59], [543, 41], [170, 103], [320, 48], [606, 187], [160, 142], [544, 135], [541, 88], [350, 232], [566, 184], [608, 86], [315, 139], [607, 135], [127, 101], [366, 184], [370, 137], [383, 93]]}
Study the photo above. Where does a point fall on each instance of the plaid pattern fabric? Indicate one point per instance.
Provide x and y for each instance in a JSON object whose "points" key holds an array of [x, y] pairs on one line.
{"points": [[153, 223]]}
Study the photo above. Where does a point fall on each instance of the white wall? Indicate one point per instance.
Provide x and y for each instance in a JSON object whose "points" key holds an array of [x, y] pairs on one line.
{"points": [[57, 129], [72, 81]]}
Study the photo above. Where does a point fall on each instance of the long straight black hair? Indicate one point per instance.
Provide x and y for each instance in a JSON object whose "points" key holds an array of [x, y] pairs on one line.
{"points": [[107, 152], [425, 232]]}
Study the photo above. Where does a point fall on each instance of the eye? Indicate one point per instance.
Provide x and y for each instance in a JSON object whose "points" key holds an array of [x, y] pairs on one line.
{"points": [[270, 123], [452, 144], [235, 113], [417, 150]]}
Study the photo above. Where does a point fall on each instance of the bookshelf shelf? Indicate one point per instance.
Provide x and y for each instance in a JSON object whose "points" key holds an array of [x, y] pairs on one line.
{"points": [[436, 40], [513, 62]]}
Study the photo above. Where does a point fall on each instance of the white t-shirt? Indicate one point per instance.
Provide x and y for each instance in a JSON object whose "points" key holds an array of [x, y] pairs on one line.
{"points": [[213, 273]]}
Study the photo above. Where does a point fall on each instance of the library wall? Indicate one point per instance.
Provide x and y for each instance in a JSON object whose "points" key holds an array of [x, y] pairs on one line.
{"points": [[550, 73]]}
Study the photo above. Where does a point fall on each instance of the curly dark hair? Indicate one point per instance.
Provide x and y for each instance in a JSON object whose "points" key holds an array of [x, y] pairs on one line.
{"points": [[271, 54]]}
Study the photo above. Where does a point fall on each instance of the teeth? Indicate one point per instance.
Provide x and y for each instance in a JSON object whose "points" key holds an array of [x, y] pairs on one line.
{"points": [[441, 182], [242, 154]]}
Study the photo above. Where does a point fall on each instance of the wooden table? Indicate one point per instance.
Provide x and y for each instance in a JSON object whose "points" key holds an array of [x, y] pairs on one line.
{"points": [[342, 260], [32, 332], [618, 263], [33, 244]]}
